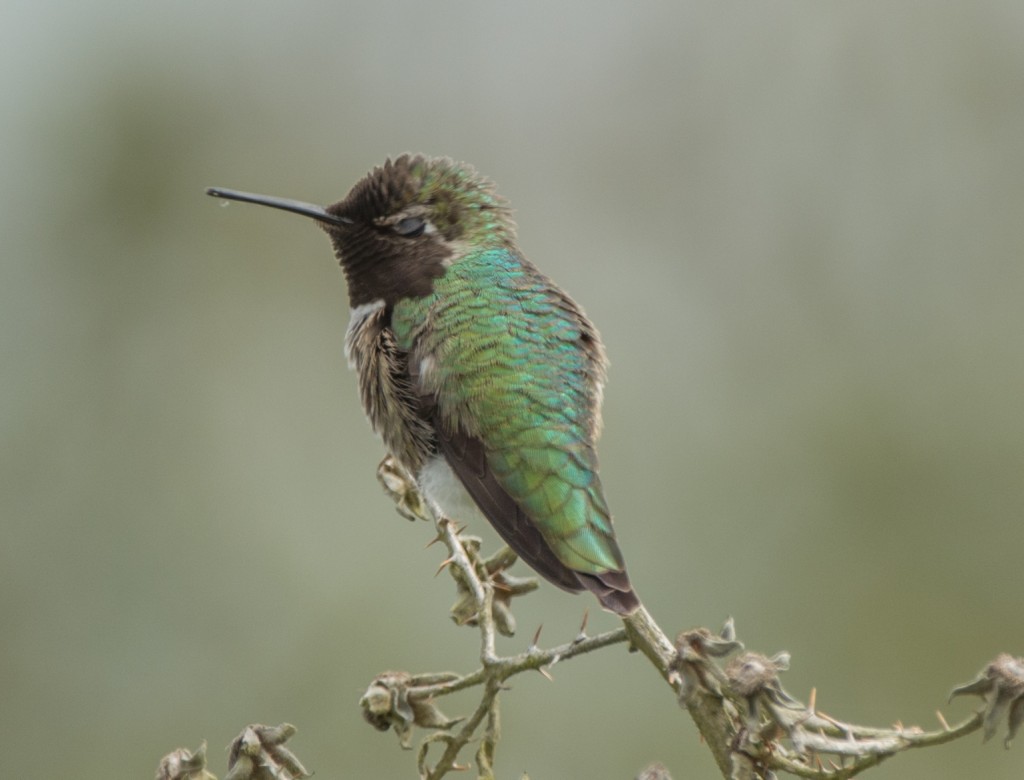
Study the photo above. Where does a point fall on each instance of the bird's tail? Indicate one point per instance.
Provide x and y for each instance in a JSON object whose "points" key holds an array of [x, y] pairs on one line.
{"points": [[613, 589]]}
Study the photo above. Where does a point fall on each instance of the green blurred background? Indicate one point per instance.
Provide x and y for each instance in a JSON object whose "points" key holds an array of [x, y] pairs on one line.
{"points": [[798, 225]]}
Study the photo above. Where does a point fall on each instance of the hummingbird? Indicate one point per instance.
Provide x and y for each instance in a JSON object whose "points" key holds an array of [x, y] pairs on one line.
{"points": [[483, 377]]}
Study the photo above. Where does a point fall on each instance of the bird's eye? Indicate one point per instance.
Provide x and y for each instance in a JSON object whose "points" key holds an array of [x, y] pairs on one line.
{"points": [[410, 227]]}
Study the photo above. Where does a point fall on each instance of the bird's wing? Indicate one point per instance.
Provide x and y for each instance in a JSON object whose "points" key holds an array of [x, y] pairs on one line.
{"points": [[511, 373]]}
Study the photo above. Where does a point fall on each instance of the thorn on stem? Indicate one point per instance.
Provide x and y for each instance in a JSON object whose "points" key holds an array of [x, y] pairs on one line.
{"points": [[831, 720], [536, 637], [583, 626]]}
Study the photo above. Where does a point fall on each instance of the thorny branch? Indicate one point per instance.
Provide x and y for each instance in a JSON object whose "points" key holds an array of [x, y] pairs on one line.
{"points": [[752, 726], [484, 592]]}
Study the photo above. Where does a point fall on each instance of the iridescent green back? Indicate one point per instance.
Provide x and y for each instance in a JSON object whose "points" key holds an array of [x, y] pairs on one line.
{"points": [[512, 362]]}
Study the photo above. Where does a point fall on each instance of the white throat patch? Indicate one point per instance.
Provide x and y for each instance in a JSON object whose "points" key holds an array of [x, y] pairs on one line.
{"points": [[357, 318]]}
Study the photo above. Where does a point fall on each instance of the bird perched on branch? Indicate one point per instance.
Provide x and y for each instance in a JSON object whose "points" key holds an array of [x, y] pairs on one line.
{"points": [[481, 375]]}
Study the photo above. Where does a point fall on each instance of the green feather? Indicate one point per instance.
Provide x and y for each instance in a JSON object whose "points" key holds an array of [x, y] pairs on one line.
{"points": [[510, 369]]}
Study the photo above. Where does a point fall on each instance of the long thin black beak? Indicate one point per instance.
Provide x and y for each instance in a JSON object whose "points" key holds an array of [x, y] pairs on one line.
{"points": [[285, 204]]}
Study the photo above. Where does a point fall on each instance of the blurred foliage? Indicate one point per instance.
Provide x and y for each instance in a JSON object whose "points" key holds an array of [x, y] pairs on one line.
{"points": [[797, 225]]}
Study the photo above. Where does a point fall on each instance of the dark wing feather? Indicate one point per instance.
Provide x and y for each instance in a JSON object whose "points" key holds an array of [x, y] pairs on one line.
{"points": [[468, 460]]}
